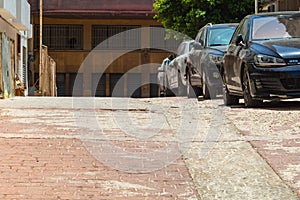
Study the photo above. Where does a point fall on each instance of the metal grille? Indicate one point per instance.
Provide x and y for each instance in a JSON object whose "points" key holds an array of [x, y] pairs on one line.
{"points": [[24, 67], [113, 37], [60, 36], [291, 83]]}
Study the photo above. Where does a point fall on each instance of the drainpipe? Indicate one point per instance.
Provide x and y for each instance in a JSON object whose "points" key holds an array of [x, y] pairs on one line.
{"points": [[41, 85], [256, 6]]}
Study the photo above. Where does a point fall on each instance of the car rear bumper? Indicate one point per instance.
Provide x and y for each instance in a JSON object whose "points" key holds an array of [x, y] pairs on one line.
{"points": [[283, 82]]}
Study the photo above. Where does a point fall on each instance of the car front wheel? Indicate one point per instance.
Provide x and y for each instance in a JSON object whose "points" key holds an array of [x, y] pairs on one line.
{"points": [[248, 100], [228, 98], [205, 90], [208, 92]]}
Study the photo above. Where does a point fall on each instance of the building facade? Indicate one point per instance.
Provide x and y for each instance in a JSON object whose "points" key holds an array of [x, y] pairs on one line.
{"points": [[288, 5], [90, 33], [15, 30], [281, 5]]}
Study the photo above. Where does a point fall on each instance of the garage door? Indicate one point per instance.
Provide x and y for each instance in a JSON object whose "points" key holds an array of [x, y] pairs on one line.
{"points": [[99, 85], [76, 90], [114, 89], [134, 83], [153, 85], [61, 84]]}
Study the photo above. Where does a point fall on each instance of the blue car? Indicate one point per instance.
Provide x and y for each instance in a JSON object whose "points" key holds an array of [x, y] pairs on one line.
{"points": [[263, 59]]}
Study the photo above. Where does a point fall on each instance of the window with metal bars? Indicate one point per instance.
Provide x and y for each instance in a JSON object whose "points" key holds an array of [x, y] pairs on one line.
{"points": [[114, 37], [60, 36]]}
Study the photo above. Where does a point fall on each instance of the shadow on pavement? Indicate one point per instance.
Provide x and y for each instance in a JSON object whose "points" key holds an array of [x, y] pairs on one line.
{"points": [[283, 105]]}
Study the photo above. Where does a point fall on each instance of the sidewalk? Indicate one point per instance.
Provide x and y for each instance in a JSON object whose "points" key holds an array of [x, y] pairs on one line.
{"points": [[51, 148]]}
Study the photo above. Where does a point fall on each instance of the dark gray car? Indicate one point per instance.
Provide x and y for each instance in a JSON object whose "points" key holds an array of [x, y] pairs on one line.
{"points": [[206, 57]]}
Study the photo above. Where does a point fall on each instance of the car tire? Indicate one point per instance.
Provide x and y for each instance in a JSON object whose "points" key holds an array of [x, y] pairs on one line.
{"points": [[169, 92], [208, 92], [248, 100], [161, 93], [192, 91], [227, 97], [205, 90], [189, 92], [182, 90]]}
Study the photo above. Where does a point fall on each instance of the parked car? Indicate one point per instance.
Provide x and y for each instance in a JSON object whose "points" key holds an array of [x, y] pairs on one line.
{"points": [[205, 59], [263, 59], [175, 72], [161, 76], [175, 75]]}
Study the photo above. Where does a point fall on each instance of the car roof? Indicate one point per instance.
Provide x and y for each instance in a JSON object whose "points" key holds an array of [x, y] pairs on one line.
{"points": [[297, 13], [222, 25], [186, 43], [179, 57]]}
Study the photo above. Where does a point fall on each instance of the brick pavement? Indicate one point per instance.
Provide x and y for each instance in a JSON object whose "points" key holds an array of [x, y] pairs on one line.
{"points": [[46, 153], [42, 157], [63, 169]]}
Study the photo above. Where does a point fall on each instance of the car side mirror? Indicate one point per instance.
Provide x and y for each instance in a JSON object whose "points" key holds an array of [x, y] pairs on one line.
{"points": [[197, 46], [239, 41]]}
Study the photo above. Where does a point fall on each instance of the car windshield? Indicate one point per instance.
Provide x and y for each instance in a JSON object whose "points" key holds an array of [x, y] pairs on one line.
{"points": [[220, 36], [275, 27]]}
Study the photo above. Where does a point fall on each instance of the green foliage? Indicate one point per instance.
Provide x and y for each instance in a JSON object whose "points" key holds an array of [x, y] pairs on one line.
{"points": [[188, 16]]}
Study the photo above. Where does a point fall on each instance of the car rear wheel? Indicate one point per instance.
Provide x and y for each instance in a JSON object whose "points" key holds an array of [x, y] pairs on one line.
{"points": [[192, 91], [228, 98], [168, 91], [161, 92], [248, 100], [182, 90]]}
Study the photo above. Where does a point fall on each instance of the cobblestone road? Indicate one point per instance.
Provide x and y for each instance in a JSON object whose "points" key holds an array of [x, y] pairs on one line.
{"points": [[163, 148]]}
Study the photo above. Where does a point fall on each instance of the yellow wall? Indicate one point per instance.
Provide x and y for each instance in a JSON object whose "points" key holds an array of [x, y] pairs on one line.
{"points": [[69, 61]]}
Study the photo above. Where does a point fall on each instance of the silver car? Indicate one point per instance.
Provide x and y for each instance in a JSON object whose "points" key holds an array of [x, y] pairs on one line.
{"points": [[176, 70], [161, 76]]}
